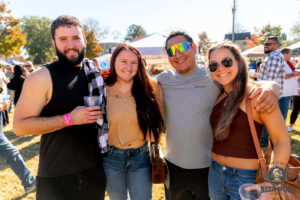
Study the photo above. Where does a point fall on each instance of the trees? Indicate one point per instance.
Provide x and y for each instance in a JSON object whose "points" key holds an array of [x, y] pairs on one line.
{"points": [[252, 42], [93, 48], [135, 31], [204, 43], [269, 30], [11, 36], [93, 24], [93, 32], [39, 46]]}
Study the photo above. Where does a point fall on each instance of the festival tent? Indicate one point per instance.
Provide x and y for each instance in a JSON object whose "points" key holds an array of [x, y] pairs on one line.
{"points": [[294, 46], [254, 52], [152, 44], [2, 62], [14, 62]]}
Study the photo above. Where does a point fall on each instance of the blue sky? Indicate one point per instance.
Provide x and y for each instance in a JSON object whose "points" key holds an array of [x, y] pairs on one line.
{"points": [[163, 16]]}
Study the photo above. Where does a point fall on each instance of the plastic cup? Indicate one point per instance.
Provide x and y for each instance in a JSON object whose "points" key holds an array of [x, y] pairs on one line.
{"points": [[250, 191], [90, 101]]}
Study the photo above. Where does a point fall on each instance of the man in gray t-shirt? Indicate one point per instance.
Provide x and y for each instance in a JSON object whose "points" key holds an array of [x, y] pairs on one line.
{"points": [[189, 95]]}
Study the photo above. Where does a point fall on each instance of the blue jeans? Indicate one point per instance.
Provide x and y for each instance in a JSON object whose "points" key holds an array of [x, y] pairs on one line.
{"points": [[224, 181], [128, 171], [284, 103], [14, 159]]}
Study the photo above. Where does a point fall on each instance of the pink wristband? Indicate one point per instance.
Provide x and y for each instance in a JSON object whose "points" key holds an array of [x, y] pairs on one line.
{"points": [[68, 119]]}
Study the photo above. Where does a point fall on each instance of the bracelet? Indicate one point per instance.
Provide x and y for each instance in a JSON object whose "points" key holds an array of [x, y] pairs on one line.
{"points": [[68, 119]]}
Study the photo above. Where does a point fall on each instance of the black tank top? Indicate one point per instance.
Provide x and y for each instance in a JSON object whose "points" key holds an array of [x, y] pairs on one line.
{"points": [[71, 149]]}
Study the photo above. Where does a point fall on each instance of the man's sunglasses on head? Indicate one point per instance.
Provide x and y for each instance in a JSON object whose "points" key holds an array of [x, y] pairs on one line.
{"points": [[181, 47], [226, 62]]}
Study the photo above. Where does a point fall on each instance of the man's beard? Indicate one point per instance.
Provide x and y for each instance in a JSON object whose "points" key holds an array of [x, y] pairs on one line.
{"points": [[267, 51], [73, 61]]}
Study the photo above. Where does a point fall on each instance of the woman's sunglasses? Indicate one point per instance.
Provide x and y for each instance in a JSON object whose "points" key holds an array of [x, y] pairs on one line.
{"points": [[181, 47], [226, 62]]}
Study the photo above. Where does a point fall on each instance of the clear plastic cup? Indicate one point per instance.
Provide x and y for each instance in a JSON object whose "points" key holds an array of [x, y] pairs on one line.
{"points": [[90, 101], [250, 191]]}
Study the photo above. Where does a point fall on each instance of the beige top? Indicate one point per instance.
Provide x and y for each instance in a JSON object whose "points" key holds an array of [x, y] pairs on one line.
{"points": [[124, 131]]}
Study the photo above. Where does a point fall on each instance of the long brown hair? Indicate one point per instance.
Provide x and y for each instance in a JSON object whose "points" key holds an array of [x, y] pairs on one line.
{"points": [[149, 116], [237, 94]]}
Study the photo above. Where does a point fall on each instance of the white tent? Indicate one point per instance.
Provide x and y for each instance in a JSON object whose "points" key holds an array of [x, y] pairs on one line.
{"points": [[254, 52], [2, 62], [152, 44], [294, 46], [14, 62]]}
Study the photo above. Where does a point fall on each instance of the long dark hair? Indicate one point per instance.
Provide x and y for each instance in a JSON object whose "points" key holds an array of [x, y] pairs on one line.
{"points": [[237, 94], [19, 71], [149, 116]]}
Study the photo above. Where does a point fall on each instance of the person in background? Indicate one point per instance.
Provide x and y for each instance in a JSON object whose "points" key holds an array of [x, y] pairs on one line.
{"points": [[258, 65], [52, 105], [14, 158], [290, 84], [16, 83], [29, 66], [9, 74], [135, 110], [234, 155], [272, 69], [3, 90], [296, 103], [252, 65]]}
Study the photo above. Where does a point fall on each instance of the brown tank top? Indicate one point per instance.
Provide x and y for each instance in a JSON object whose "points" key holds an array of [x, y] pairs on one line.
{"points": [[239, 142]]}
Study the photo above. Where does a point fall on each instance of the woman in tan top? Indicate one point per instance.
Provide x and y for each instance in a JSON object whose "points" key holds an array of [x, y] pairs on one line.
{"points": [[234, 157], [134, 110]]}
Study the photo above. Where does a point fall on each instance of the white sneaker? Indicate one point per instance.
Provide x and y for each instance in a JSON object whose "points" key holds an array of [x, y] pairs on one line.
{"points": [[30, 188], [290, 129]]}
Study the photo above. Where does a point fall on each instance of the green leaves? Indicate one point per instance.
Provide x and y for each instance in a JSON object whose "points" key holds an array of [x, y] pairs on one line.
{"points": [[38, 46], [11, 36], [135, 32]]}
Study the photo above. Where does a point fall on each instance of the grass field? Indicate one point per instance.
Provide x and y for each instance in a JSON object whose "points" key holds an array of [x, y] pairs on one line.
{"points": [[10, 186]]}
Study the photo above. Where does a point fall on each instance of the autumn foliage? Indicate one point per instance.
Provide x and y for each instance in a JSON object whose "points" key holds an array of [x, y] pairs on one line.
{"points": [[93, 48], [11, 36], [253, 42], [138, 37]]}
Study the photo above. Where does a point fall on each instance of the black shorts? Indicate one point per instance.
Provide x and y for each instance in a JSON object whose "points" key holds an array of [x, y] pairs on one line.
{"points": [[187, 184], [89, 184]]}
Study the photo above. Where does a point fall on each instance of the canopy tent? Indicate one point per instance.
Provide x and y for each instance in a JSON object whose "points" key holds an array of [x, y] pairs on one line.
{"points": [[153, 44], [255, 52], [2, 62], [294, 46], [14, 62]]}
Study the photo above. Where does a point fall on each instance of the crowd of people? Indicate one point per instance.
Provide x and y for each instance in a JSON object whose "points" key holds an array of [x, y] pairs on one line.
{"points": [[11, 83], [85, 151]]}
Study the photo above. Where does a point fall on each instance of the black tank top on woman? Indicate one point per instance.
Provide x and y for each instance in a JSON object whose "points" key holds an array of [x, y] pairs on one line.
{"points": [[71, 149]]}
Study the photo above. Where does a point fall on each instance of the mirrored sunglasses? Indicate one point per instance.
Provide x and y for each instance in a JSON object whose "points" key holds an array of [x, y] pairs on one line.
{"points": [[226, 62], [181, 47]]}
